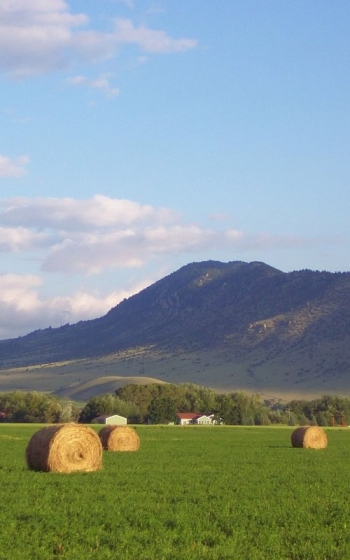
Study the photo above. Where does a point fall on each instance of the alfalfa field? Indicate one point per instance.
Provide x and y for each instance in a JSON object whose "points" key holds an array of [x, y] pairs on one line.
{"points": [[189, 493]]}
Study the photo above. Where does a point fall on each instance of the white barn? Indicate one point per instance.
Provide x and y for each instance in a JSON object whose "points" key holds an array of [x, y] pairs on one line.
{"points": [[114, 420]]}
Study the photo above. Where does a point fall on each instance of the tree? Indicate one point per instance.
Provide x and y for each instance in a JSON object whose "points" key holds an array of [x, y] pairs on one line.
{"points": [[19, 406], [109, 404], [97, 406], [162, 411], [187, 397]]}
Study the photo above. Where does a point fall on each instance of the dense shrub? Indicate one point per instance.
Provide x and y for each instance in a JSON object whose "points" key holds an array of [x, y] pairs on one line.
{"points": [[19, 406]]}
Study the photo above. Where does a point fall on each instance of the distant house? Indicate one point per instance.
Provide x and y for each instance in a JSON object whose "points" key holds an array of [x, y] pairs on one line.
{"points": [[186, 418], [202, 420], [115, 420]]}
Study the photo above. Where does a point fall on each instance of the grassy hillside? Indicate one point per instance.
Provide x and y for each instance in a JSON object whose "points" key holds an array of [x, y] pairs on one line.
{"points": [[100, 386]]}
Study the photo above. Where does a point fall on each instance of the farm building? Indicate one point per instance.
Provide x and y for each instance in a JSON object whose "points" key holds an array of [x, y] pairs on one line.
{"points": [[185, 418], [115, 420], [202, 420]]}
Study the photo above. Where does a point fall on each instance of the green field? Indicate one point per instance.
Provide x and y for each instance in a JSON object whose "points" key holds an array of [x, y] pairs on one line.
{"points": [[189, 493]]}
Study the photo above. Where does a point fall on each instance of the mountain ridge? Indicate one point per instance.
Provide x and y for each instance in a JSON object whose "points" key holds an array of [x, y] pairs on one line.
{"points": [[272, 328]]}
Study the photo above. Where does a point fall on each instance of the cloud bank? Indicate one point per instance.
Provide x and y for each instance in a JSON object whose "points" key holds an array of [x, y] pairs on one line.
{"points": [[38, 37], [23, 310], [101, 233]]}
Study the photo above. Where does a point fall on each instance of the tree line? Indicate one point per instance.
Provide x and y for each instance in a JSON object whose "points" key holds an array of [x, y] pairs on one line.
{"points": [[33, 406], [159, 403]]}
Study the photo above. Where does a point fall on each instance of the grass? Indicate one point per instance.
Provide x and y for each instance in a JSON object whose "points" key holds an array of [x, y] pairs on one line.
{"points": [[188, 493], [277, 377], [102, 385]]}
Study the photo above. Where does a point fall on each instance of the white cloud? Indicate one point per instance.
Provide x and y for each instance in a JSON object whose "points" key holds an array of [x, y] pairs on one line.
{"points": [[35, 35], [22, 310], [101, 83], [102, 233], [78, 215], [13, 167], [93, 253], [18, 298], [21, 239], [13, 286], [38, 36], [150, 40]]}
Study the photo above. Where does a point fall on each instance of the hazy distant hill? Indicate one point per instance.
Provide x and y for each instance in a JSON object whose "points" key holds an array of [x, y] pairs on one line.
{"points": [[226, 325], [101, 386]]}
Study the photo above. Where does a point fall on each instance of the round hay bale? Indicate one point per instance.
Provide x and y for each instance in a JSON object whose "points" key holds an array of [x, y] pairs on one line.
{"points": [[119, 438], [64, 448], [311, 437]]}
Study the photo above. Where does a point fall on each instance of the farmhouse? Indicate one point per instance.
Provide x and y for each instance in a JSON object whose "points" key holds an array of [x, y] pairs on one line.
{"points": [[115, 420], [185, 418]]}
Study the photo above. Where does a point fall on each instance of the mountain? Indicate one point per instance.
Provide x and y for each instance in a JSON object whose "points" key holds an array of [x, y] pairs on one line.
{"points": [[230, 326]]}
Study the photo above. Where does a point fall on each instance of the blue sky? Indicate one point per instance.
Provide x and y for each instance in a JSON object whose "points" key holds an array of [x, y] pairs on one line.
{"points": [[137, 136]]}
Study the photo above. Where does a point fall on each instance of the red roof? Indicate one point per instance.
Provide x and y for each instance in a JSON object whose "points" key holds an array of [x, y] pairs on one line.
{"points": [[187, 415]]}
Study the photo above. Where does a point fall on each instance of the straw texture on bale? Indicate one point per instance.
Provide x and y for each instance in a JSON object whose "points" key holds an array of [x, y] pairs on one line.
{"points": [[64, 448], [311, 437], [119, 438]]}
